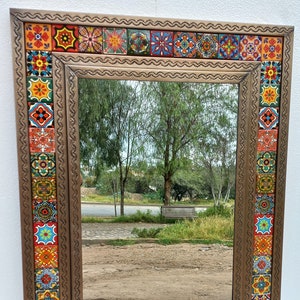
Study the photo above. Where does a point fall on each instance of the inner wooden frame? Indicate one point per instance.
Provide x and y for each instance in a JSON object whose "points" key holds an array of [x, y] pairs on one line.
{"points": [[68, 67]]}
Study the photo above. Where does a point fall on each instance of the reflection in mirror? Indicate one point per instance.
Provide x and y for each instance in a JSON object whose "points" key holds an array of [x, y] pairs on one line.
{"points": [[143, 145]]}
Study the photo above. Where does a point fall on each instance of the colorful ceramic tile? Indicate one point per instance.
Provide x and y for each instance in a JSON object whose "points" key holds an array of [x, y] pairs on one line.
{"points": [[261, 284], [41, 140], [45, 257], [266, 162], [207, 45], [47, 295], [39, 89], [38, 36], [40, 115], [43, 189], [90, 39], [161, 43], [272, 48], [44, 211], [261, 297], [114, 41], [267, 140], [263, 224], [185, 44], [268, 118], [250, 47], [138, 42], [42, 164], [46, 279], [269, 95], [264, 204], [45, 234], [265, 183], [262, 264], [65, 38], [229, 46], [271, 72], [262, 245], [39, 63]]}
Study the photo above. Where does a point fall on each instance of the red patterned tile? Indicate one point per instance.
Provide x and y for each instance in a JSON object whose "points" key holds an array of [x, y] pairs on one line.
{"points": [[267, 140], [42, 140], [185, 44], [263, 224], [45, 234], [65, 38]]}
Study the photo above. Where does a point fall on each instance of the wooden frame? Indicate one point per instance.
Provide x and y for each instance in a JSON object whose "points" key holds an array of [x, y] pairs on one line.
{"points": [[69, 66]]}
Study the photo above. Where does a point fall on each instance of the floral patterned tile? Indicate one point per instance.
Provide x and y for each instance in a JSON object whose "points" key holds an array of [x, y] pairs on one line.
{"points": [[43, 189], [267, 140], [263, 224], [264, 203], [265, 183], [65, 38], [42, 164], [261, 285], [39, 63], [266, 162], [45, 256], [272, 48], [268, 118], [207, 45], [41, 115], [41, 140], [161, 43], [269, 95], [262, 264], [229, 46], [138, 42], [47, 279], [271, 72], [45, 211], [38, 36], [39, 89], [250, 47], [261, 297], [114, 41], [263, 245], [90, 39], [45, 233], [185, 44], [52, 294]]}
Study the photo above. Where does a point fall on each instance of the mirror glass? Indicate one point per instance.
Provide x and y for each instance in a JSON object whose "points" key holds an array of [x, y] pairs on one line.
{"points": [[145, 145]]}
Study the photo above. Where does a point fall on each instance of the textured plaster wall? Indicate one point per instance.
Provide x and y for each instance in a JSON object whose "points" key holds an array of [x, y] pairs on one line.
{"points": [[256, 11]]}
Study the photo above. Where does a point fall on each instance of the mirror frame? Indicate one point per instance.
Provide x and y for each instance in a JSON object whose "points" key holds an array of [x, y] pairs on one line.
{"points": [[69, 66]]}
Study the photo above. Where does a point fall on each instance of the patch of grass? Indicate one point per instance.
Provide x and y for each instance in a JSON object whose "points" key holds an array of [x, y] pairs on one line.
{"points": [[221, 211], [146, 217], [120, 242], [212, 228], [146, 233]]}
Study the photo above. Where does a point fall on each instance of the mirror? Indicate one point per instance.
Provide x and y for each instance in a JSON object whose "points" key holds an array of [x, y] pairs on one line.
{"points": [[126, 128], [58, 60]]}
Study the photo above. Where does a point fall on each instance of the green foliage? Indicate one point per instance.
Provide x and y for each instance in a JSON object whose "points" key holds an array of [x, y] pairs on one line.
{"points": [[220, 210], [139, 216], [213, 228], [146, 233]]}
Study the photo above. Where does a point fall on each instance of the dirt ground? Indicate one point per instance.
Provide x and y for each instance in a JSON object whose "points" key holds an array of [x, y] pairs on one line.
{"points": [[157, 272]]}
